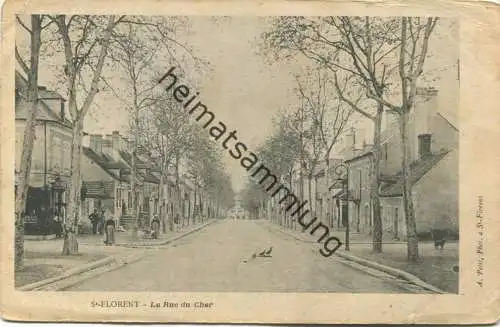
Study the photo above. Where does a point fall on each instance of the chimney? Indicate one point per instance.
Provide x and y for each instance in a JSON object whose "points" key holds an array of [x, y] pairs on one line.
{"points": [[106, 144], [424, 145], [124, 144], [115, 141], [425, 109], [96, 143]]}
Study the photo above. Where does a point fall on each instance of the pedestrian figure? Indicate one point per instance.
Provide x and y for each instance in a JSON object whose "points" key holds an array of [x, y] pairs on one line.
{"points": [[57, 226], [155, 227], [177, 221], [94, 219], [102, 222], [110, 231]]}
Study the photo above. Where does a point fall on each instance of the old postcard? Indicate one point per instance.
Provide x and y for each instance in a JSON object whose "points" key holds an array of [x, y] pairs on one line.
{"points": [[250, 162]]}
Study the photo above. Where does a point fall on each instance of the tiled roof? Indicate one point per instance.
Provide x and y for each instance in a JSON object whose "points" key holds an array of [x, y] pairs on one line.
{"points": [[99, 190], [146, 175], [417, 170], [104, 163], [150, 178]]}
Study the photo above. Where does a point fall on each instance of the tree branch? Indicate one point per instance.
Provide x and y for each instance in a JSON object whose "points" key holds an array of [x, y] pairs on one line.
{"points": [[21, 62], [23, 25]]}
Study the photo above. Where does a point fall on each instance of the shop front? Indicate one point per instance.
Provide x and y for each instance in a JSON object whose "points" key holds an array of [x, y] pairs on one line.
{"points": [[45, 208]]}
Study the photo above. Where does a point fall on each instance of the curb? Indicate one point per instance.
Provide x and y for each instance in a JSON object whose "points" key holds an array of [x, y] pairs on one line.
{"points": [[120, 260], [165, 242], [392, 271], [68, 273], [374, 265]]}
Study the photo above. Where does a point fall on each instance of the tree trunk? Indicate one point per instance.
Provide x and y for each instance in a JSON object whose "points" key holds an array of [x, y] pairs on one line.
{"points": [[195, 208], [70, 245], [326, 196], [29, 139], [161, 212], [133, 187], [375, 183], [180, 207], [411, 226], [309, 191]]}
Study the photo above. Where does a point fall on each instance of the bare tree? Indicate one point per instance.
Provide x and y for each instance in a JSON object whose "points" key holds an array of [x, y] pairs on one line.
{"points": [[168, 134], [329, 114], [134, 52], [85, 43], [358, 50], [31, 71], [415, 35], [364, 40]]}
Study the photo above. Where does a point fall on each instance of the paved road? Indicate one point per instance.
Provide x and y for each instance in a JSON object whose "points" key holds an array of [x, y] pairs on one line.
{"points": [[212, 260]]}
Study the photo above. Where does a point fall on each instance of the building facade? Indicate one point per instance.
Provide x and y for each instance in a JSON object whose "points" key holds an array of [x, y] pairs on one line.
{"points": [[50, 167]]}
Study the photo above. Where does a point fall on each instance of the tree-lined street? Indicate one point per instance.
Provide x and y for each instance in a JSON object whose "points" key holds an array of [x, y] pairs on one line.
{"points": [[212, 260], [339, 118]]}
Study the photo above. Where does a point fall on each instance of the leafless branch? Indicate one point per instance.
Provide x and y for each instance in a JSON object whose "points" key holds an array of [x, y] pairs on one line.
{"points": [[23, 25], [21, 62]]}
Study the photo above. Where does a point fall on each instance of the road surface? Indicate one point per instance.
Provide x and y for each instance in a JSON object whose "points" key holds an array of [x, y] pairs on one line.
{"points": [[213, 260]]}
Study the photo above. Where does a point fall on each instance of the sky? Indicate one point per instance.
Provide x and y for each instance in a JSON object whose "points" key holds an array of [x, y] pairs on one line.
{"points": [[244, 90]]}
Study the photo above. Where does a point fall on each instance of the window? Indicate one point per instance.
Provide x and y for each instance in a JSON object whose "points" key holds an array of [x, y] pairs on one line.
{"points": [[56, 152]]}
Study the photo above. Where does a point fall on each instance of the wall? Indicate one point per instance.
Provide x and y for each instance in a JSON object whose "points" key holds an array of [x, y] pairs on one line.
{"points": [[390, 209], [435, 199], [57, 148], [423, 119], [38, 156], [359, 185], [436, 195]]}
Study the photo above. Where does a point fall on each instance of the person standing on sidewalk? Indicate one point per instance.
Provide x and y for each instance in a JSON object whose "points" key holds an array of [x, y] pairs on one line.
{"points": [[94, 219], [155, 227], [57, 226], [110, 231], [102, 222], [177, 221]]}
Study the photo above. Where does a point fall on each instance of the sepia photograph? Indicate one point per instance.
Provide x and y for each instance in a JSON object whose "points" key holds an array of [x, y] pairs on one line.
{"points": [[300, 154], [123, 151]]}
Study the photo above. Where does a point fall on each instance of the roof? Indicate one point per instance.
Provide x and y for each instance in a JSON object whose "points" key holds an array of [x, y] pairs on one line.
{"points": [[150, 178], [44, 111], [146, 172], [99, 190], [104, 163], [366, 153], [332, 166], [417, 170], [43, 93]]}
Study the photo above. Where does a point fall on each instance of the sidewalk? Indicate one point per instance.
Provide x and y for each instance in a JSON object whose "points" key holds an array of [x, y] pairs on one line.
{"points": [[434, 266], [43, 259]]}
